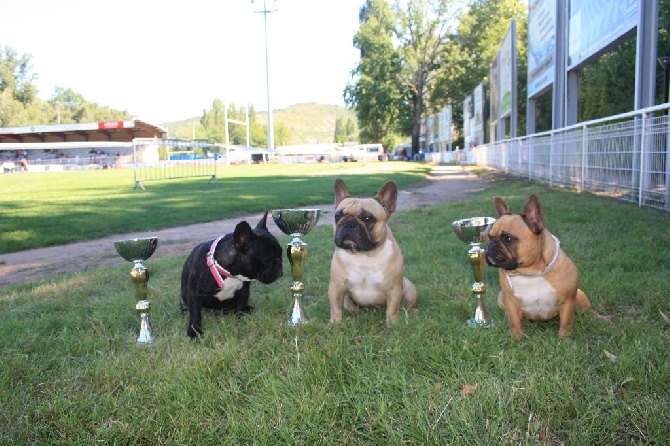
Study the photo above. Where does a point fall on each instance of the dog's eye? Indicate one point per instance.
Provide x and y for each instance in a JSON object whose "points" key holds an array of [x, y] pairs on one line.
{"points": [[506, 239], [368, 218]]}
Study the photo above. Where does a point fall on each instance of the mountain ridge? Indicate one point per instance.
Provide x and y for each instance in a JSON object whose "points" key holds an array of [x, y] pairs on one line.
{"points": [[307, 122]]}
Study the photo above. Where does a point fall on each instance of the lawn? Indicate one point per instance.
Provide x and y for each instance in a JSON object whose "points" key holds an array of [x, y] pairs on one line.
{"points": [[47, 209], [72, 372]]}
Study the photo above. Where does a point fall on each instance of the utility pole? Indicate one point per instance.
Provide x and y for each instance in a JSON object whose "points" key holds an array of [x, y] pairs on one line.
{"points": [[265, 12]]}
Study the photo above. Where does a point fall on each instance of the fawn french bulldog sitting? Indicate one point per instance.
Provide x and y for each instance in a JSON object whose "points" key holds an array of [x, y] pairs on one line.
{"points": [[367, 268], [538, 280]]}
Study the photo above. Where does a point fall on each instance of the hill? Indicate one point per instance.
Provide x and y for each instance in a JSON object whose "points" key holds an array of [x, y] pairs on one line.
{"points": [[308, 123]]}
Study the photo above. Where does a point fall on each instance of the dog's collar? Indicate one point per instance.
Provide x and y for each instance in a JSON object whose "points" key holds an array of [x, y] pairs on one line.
{"points": [[549, 267], [217, 270]]}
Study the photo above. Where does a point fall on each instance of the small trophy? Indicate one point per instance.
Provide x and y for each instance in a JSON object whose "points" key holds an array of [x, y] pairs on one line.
{"points": [[136, 251], [296, 223], [475, 232]]}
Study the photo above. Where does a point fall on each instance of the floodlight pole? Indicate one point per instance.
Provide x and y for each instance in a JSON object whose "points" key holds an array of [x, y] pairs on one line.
{"points": [[265, 13]]}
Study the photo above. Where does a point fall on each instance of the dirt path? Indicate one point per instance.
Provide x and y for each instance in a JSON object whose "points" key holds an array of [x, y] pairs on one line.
{"points": [[443, 184]]}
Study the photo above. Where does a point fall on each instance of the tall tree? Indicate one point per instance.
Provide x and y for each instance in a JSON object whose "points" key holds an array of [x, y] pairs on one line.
{"points": [[213, 121], [340, 132], [376, 95], [68, 106], [282, 135], [16, 75], [17, 90], [19, 104], [350, 129], [422, 28]]}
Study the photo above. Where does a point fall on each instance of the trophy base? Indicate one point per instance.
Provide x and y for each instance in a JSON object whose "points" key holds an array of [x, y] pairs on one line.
{"points": [[479, 323], [297, 315], [146, 341], [146, 336], [292, 324]]}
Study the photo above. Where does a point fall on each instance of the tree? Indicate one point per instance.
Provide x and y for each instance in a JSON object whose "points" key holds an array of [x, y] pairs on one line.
{"points": [[213, 121], [67, 106], [422, 30], [19, 104], [350, 129], [467, 54], [345, 129], [16, 86], [605, 87], [377, 96], [282, 134], [340, 135], [16, 76]]}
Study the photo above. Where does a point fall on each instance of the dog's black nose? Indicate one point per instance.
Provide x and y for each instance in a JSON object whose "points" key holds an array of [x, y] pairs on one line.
{"points": [[349, 223]]}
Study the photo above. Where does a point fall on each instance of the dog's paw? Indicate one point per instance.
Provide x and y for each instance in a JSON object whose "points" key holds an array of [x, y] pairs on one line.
{"points": [[247, 309], [194, 332], [183, 306]]}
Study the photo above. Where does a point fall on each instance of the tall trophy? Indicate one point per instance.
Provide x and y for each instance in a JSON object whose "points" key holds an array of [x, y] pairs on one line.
{"points": [[296, 223], [138, 250], [475, 232]]}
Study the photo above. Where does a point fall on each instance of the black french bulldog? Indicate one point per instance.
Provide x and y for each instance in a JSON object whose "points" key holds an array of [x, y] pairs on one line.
{"points": [[217, 273]]}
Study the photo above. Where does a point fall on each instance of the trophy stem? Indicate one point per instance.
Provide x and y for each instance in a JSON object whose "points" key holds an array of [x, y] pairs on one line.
{"points": [[296, 251], [140, 276], [477, 259]]}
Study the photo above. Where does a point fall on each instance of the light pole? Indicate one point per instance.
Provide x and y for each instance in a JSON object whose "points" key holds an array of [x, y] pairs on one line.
{"points": [[265, 12]]}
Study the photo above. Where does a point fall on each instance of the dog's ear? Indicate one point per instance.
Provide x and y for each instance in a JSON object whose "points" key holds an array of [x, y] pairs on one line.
{"points": [[243, 234], [341, 191], [501, 207], [532, 214], [387, 196], [262, 224]]}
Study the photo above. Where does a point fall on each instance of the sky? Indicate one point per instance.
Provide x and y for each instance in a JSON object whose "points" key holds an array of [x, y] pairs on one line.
{"points": [[167, 60]]}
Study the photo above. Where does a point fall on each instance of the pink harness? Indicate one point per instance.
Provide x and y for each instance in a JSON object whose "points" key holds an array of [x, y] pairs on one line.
{"points": [[230, 284], [214, 267]]}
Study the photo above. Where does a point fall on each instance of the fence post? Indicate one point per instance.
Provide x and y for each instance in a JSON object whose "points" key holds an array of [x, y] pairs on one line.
{"points": [[551, 160], [643, 138], [585, 149], [666, 138]]}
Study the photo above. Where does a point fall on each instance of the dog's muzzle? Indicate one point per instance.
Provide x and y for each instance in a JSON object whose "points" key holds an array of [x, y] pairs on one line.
{"points": [[350, 234], [273, 272], [497, 257]]}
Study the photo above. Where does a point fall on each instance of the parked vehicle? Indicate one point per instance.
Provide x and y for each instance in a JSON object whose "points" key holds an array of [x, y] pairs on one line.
{"points": [[402, 152], [364, 152]]}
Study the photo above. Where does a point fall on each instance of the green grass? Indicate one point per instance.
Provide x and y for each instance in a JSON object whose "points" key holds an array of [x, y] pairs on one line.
{"points": [[71, 372], [47, 209]]}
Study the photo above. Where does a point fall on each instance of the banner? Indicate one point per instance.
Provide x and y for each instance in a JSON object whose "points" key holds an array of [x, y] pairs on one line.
{"points": [[541, 45], [595, 24], [505, 73]]}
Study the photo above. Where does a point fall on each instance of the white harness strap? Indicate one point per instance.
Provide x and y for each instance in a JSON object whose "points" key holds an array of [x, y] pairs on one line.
{"points": [[228, 285]]}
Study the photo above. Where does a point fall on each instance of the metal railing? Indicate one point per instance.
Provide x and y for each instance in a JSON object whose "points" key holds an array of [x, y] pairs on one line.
{"points": [[623, 156]]}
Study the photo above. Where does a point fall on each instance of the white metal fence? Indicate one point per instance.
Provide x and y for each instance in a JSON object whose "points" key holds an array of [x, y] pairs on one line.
{"points": [[163, 159], [623, 156]]}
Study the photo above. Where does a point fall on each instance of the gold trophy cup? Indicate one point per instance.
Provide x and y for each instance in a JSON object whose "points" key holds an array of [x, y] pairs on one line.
{"points": [[475, 232], [137, 250], [296, 223]]}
